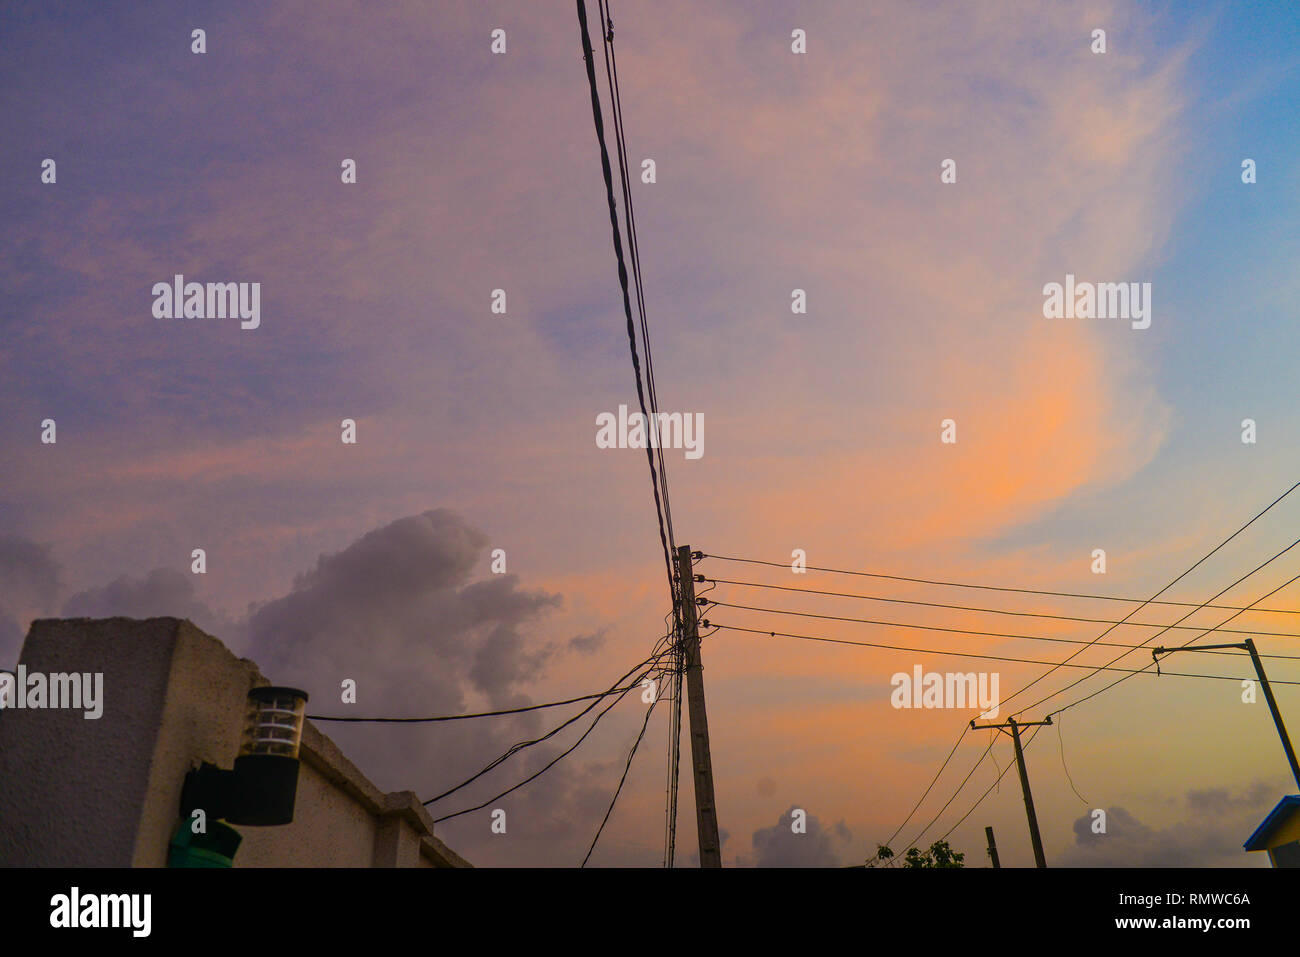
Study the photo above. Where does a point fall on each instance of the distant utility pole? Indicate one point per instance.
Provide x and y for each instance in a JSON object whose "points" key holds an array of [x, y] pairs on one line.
{"points": [[1034, 836], [993, 846], [1249, 645], [706, 813]]}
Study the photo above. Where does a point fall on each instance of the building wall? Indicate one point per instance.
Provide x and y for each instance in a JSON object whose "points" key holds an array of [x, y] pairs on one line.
{"points": [[72, 790], [106, 792], [202, 719], [329, 829], [1288, 832]]}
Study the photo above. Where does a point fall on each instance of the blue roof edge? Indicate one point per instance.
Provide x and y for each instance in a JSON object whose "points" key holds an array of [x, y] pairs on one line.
{"points": [[1256, 841]]}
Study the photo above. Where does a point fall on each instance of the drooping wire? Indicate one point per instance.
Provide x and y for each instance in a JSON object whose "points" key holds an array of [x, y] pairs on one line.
{"points": [[1024, 747], [532, 777], [621, 781], [515, 749], [1061, 741]]}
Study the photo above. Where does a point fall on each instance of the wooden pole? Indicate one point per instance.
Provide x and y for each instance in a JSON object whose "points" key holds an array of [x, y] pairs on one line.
{"points": [[706, 812]]}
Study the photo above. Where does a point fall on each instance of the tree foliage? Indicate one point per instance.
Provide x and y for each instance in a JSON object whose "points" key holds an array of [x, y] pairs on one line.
{"points": [[939, 854]]}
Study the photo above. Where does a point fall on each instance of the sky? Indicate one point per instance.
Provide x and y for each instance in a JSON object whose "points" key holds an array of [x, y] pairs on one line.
{"points": [[476, 431]]}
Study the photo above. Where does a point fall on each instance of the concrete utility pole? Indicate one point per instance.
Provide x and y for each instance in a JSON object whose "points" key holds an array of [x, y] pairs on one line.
{"points": [[706, 813], [993, 846], [1034, 836], [1249, 645]]}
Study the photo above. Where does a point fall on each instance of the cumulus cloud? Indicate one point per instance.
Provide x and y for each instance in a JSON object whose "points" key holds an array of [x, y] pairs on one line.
{"points": [[404, 613], [28, 571], [11, 639], [588, 644], [1217, 824], [780, 846], [162, 592], [399, 611], [30, 580], [1070, 170]]}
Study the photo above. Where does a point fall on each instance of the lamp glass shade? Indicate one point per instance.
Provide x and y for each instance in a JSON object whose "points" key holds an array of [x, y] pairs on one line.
{"points": [[273, 722]]}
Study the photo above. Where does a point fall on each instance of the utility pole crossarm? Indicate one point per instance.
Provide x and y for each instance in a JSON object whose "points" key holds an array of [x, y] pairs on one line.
{"points": [[1010, 722], [1241, 645]]}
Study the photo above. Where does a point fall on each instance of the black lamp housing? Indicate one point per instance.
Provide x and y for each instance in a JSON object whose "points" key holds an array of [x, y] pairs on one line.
{"points": [[262, 789]]}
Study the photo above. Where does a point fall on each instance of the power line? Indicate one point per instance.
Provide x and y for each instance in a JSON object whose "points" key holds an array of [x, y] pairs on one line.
{"points": [[998, 780], [1237, 611], [549, 765], [1131, 672], [588, 55], [515, 749], [912, 842], [1007, 588], [1147, 667], [463, 717], [634, 246], [1128, 673], [537, 774], [1155, 599], [980, 800], [674, 754], [998, 611], [654, 450], [925, 793], [1159, 633], [1060, 739], [621, 781], [966, 654], [966, 631], [1197, 564], [1125, 677]]}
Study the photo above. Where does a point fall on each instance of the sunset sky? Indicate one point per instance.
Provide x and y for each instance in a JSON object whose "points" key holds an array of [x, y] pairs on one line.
{"points": [[476, 431]]}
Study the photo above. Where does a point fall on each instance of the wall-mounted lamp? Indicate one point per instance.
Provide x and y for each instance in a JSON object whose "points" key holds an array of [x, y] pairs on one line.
{"points": [[266, 770], [263, 786]]}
